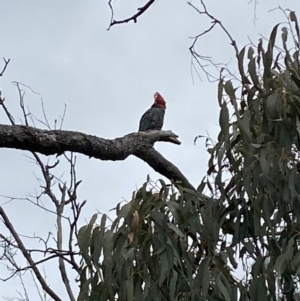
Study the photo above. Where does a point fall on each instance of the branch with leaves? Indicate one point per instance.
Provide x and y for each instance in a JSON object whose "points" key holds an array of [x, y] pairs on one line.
{"points": [[57, 142]]}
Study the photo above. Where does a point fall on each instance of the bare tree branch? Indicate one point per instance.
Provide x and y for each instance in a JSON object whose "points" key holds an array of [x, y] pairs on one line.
{"points": [[10, 117], [200, 58], [57, 142], [27, 255], [59, 204], [6, 62], [133, 18], [164, 167], [62, 267], [50, 142]]}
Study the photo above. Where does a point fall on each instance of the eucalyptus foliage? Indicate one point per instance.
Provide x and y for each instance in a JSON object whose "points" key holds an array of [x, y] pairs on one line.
{"points": [[174, 244]]}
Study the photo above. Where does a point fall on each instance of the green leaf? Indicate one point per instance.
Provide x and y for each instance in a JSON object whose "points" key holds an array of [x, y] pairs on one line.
{"points": [[293, 18], [290, 249], [84, 237], [264, 163], [129, 289], [205, 275], [220, 91], [273, 107], [245, 126], [252, 72], [257, 267], [129, 254], [224, 119], [222, 266], [292, 182], [295, 262], [96, 244], [202, 185], [272, 284], [173, 283], [174, 208], [164, 267], [144, 191], [274, 247], [230, 92], [158, 217], [249, 247], [273, 37], [230, 252], [162, 183], [269, 55], [84, 286], [107, 252], [176, 230], [284, 34], [250, 52], [223, 289], [124, 210], [280, 264], [241, 66]]}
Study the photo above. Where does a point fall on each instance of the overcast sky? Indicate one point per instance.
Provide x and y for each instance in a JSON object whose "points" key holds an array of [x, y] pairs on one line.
{"points": [[107, 79]]}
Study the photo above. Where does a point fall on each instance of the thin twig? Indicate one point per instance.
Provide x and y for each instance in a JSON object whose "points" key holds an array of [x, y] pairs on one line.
{"points": [[10, 117], [133, 18], [6, 62], [25, 253], [63, 117], [254, 10], [62, 267], [199, 58], [26, 86], [21, 97]]}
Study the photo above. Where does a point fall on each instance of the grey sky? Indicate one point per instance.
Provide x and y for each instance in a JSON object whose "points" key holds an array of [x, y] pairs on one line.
{"points": [[107, 79]]}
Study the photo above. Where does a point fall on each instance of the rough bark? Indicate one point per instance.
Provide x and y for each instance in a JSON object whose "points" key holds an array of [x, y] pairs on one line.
{"points": [[139, 144]]}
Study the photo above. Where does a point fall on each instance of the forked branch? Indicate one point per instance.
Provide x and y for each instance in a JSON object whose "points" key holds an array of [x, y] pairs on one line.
{"points": [[28, 257], [57, 142]]}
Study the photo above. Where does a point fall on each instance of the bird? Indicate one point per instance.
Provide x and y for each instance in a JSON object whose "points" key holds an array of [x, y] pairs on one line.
{"points": [[153, 118]]}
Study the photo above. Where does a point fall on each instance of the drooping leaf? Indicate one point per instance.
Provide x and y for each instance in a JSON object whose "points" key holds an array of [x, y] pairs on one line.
{"points": [[268, 57], [129, 289], [84, 237], [224, 119], [294, 19], [230, 92], [220, 91], [173, 283], [223, 289]]}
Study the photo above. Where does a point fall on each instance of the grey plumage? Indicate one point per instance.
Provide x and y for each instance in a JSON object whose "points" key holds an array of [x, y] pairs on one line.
{"points": [[153, 119]]}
